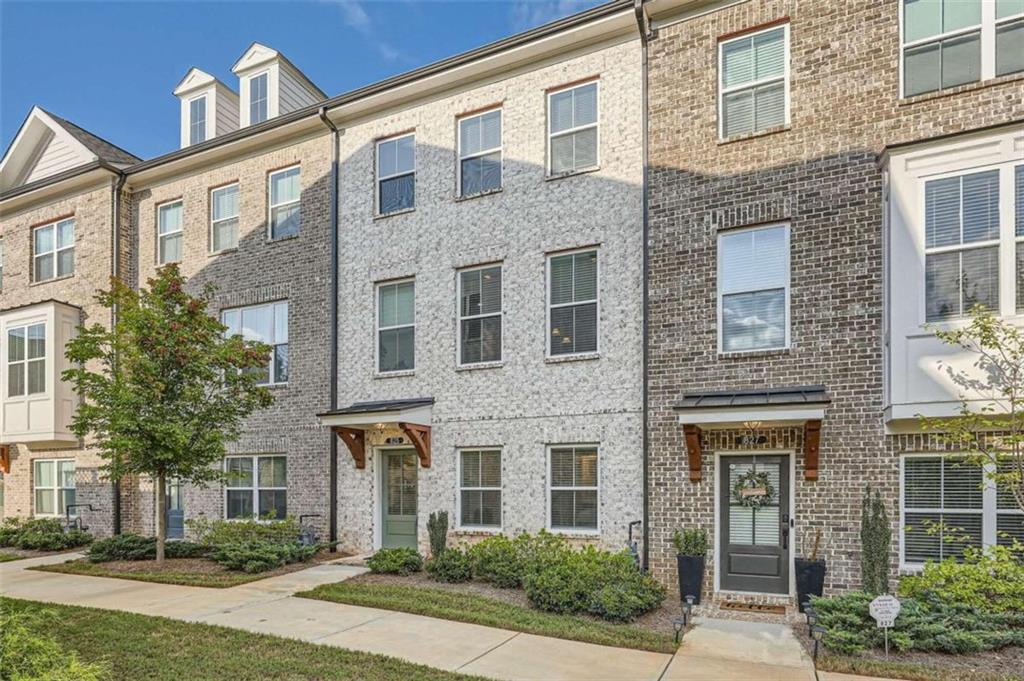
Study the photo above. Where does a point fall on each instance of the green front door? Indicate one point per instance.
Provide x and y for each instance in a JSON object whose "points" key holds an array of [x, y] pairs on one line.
{"points": [[399, 498]]}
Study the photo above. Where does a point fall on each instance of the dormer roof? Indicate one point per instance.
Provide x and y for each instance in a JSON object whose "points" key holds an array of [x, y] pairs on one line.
{"points": [[258, 54], [195, 79]]}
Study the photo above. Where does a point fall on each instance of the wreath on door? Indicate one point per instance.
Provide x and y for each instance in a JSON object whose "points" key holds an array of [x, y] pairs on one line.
{"points": [[753, 490]]}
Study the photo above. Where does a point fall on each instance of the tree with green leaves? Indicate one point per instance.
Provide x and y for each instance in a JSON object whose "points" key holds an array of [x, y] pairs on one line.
{"points": [[875, 540], [989, 426], [163, 391]]}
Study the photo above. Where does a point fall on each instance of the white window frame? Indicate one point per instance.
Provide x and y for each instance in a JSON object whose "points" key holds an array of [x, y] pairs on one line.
{"points": [[192, 123], [551, 488], [989, 511], [214, 221], [464, 318], [496, 529], [596, 82], [56, 250], [179, 232], [549, 306], [719, 293], [56, 489], [255, 488], [271, 205], [273, 355], [22, 364], [483, 152], [378, 328], [723, 90], [987, 40], [1, 263], [265, 98], [380, 178]]}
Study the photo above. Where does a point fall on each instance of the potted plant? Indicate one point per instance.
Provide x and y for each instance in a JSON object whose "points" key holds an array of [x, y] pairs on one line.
{"points": [[691, 549], [810, 574]]}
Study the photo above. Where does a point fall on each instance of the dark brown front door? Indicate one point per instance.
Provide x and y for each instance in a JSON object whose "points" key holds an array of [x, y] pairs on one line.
{"points": [[755, 541]]}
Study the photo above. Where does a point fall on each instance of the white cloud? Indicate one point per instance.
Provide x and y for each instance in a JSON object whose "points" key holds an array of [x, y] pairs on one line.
{"points": [[527, 14], [355, 16]]}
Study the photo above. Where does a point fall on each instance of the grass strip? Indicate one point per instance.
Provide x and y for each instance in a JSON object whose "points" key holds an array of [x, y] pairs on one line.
{"points": [[492, 613], [906, 671], [213, 580], [4, 557], [160, 649]]}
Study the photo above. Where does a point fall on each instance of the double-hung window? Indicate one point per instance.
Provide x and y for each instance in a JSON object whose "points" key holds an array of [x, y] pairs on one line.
{"points": [[1018, 206], [480, 315], [572, 303], [266, 324], [952, 42], [1, 264], [480, 153], [480, 488], [169, 232], [197, 120], [754, 82], [396, 174], [26, 360], [256, 486], [573, 129], [224, 218], [258, 99], [54, 250], [284, 203], [573, 488], [396, 326], [53, 483], [753, 289]]}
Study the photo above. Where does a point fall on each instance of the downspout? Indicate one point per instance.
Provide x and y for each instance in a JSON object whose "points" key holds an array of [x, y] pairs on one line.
{"points": [[115, 271], [644, 27], [333, 297]]}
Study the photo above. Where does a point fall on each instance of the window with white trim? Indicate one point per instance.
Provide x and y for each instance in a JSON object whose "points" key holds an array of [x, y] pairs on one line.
{"points": [[53, 486], [284, 202], [396, 174], [1, 263], [53, 252], [480, 315], [573, 129], [169, 232], [573, 487], [753, 82], [197, 120], [256, 487], [1018, 208], [1009, 516], [953, 42], [224, 218], [26, 360], [396, 326], [480, 488], [480, 153], [948, 505], [753, 289], [573, 303], [266, 324], [258, 98]]}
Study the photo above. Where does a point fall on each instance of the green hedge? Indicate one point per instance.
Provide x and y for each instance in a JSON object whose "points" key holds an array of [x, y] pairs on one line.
{"points": [[135, 547], [25, 656], [218, 532], [991, 579], [395, 561], [260, 556], [41, 534], [452, 565]]}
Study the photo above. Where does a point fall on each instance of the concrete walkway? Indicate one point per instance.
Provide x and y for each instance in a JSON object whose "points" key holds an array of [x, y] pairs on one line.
{"points": [[715, 649]]}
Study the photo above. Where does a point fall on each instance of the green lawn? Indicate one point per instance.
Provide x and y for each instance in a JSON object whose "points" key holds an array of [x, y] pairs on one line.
{"points": [[155, 648], [493, 613], [4, 557], [215, 580], [907, 671]]}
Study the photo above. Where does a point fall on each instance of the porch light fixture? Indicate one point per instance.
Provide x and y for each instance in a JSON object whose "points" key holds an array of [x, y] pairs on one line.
{"points": [[752, 425]]}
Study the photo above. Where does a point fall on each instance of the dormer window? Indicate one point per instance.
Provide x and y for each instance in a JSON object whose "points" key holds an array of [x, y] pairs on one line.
{"points": [[258, 99], [197, 120]]}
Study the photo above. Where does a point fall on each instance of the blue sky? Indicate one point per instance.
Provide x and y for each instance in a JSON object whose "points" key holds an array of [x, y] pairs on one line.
{"points": [[110, 67]]}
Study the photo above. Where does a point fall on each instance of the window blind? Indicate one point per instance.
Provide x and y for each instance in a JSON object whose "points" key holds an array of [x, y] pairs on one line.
{"points": [[753, 82], [942, 502], [396, 327], [573, 488], [480, 488], [396, 173], [573, 303], [480, 315], [754, 275], [572, 128]]}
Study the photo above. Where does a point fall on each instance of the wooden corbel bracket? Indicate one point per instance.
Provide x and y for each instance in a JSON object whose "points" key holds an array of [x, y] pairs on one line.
{"points": [[355, 440], [420, 437], [693, 451]]}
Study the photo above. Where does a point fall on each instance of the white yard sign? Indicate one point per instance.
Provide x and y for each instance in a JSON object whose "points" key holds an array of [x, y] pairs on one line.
{"points": [[884, 610]]}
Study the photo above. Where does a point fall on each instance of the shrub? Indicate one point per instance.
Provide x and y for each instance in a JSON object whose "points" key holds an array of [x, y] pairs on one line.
{"points": [[437, 529], [691, 542], [875, 538], [260, 556], [540, 550], [218, 532], [498, 560], [991, 579], [135, 547], [395, 561], [598, 582], [454, 565], [41, 534], [9, 530], [25, 655]]}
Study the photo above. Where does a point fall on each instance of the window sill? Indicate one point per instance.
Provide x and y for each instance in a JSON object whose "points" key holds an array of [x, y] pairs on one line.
{"points": [[50, 281], [575, 534], [961, 89], [226, 251], [753, 354], [752, 135], [572, 173], [394, 213], [581, 357], [274, 386], [479, 365], [279, 239], [478, 195], [394, 374], [476, 531]]}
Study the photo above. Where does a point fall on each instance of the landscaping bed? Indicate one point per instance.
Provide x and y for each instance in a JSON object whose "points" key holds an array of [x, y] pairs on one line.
{"points": [[110, 645]]}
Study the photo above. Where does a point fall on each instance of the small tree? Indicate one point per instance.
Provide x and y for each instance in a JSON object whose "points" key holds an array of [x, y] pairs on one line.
{"points": [[875, 539], [437, 530], [990, 434], [163, 391]]}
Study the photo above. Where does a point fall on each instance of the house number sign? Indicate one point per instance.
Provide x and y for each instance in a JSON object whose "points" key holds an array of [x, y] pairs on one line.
{"points": [[884, 610]]}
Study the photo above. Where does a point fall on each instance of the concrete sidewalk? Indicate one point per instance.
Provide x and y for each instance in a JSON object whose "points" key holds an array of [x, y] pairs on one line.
{"points": [[715, 649]]}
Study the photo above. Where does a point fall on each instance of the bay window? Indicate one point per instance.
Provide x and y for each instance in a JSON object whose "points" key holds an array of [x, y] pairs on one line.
{"points": [[26, 360]]}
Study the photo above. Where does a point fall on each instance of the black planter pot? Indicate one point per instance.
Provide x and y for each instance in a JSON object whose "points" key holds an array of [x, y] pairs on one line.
{"points": [[810, 579], [691, 577]]}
